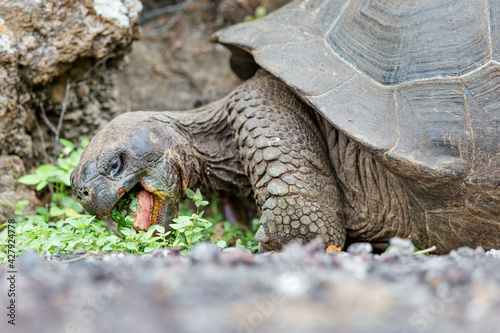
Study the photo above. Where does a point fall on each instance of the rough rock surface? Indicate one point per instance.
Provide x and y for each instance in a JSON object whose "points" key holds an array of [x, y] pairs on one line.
{"points": [[301, 289], [170, 69], [56, 55]]}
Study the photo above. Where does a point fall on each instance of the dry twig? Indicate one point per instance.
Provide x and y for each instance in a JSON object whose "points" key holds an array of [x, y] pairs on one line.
{"points": [[63, 110], [47, 121], [162, 10], [431, 249], [171, 22], [85, 255]]}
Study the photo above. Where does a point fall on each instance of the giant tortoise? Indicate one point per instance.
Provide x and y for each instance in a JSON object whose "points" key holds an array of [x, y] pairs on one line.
{"points": [[365, 119]]}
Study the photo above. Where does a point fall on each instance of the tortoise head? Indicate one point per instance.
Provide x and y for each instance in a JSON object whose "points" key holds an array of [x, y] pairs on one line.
{"points": [[135, 150]]}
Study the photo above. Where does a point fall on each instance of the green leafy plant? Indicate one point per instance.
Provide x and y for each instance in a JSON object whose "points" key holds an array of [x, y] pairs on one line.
{"points": [[60, 229], [57, 178], [192, 229], [123, 217], [240, 236]]}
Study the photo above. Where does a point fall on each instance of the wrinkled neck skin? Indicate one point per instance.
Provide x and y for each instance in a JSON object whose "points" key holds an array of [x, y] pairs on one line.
{"points": [[205, 146]]}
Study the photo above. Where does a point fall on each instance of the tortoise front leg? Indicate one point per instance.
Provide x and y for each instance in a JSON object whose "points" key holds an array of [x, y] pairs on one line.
{"points": [[285, 157]]}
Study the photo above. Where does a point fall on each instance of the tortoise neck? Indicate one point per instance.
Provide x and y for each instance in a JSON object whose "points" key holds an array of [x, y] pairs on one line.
{"points": [[212, 160]]}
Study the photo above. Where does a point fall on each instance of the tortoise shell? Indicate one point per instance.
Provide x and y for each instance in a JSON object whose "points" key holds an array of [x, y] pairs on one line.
{"points": [[417, 83]]}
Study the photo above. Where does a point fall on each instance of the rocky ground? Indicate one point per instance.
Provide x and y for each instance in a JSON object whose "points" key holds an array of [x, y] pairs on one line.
{"points": [[301, 289]]}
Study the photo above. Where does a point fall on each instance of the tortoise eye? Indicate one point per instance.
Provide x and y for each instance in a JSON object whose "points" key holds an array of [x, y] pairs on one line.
{"points": [[116, 166]]}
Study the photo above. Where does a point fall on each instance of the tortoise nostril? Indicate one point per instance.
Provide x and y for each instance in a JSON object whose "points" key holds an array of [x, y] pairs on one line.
{"points": [[81, 194]]}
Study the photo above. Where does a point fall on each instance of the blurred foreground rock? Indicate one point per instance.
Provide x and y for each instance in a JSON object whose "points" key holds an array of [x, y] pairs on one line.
{"points": [[302, 289]]}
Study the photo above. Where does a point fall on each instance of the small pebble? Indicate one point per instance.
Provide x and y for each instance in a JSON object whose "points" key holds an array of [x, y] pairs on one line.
{"points": [[479, 252], [465, 252], [401, 247], [493, 253], [237, 257], [360, 249], [315, 245], [80, 251], [204, 252]]}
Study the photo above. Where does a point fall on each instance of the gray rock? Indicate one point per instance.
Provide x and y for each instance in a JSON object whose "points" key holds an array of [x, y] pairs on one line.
{"points": [[205, 252], [401, 247], [360, 249]]}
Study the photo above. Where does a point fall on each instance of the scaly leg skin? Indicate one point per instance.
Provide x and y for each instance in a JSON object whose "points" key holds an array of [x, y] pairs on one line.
{"points": [[285, 157]]}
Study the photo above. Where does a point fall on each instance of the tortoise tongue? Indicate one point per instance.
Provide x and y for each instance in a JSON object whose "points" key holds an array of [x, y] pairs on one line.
{"points": [[154, 209], [142, 215]]}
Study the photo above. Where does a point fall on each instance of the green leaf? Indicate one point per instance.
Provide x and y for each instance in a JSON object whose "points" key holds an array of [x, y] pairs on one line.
{"points": [[36, 218], [29, 179], [129, 220], [42, 211], [86, 219], [197, 229], [84, 142], [66, 179], [128, 232], [196, 238], [67, 201], [74, 158], [101, 241], [75, 221], [149, 249], [230, 249], [131, 246], [260, 12], [55, 211], [197, 196], [45, 171], [159, 228], [41, 185], [22, 203], [64, 163], [203, 203], [150, 232], [10, 203], [43, 226], [46, 247], [67, 143], [64, 237], [222, 244], [71, 245], [189, 193], [68, 211]]}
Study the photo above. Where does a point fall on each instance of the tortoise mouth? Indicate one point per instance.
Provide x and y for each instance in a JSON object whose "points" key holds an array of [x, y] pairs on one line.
{"points": [[136, 204], [142, 208]]}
